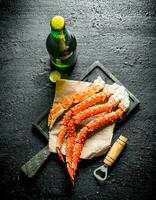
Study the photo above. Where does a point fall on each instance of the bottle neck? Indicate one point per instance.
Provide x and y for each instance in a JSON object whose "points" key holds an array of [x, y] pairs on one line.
{"points": [[61, 34]]}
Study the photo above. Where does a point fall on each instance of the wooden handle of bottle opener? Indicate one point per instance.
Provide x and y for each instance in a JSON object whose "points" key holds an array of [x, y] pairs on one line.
{"points": [[115, 151]]}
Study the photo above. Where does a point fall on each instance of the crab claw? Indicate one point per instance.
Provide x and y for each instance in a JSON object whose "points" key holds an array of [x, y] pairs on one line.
{"points": [[71, 173], [60, 154]]}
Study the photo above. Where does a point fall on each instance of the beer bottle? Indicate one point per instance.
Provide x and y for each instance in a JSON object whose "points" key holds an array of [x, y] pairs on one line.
{"points": [[61, 45]]}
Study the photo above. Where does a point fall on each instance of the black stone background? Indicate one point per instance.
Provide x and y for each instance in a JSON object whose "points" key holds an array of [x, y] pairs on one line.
{"points": [[121, 34]]}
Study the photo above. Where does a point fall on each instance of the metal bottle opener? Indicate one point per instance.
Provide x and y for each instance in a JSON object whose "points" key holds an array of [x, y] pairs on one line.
{"points": [[111, 157]]}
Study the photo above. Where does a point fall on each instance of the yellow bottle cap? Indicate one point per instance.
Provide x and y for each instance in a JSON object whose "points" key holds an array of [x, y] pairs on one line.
{"points": [[57, 23], [54, 76]]}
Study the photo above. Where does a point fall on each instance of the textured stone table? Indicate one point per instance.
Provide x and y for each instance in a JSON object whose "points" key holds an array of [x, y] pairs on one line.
{"points": [[120, 34]]}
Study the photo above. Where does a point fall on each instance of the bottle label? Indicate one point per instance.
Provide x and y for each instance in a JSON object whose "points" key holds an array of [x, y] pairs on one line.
{"points": [[63, 62], [66, 57], [58, 61]]}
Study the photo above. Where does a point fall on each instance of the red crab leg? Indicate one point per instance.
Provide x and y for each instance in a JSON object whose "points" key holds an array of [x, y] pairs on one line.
{"points": [[96, 98], [100, 97], [70, 145], [58, 109], [89, 128], [107, 107], [62, 133]]}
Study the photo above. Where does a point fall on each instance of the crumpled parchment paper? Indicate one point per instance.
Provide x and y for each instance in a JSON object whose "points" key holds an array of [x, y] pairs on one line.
{"points": [[99, 142]]}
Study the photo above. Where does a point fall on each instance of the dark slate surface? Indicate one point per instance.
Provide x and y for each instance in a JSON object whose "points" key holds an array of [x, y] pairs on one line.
{"points": [[120, 34]]}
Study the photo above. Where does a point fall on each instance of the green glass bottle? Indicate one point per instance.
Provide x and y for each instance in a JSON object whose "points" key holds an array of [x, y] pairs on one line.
{"points": [[61, 45]]}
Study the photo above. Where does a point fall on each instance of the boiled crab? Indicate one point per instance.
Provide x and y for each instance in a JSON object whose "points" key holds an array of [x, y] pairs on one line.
{"points": [[114, 101]]}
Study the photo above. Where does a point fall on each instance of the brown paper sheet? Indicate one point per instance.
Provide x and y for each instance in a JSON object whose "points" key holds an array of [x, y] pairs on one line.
{"points": [[98, 143]]}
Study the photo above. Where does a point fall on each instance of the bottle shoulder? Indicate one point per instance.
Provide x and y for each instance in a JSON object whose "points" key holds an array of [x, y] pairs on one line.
{"points": [[49, 38], [55, 43], [72, 40]]}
